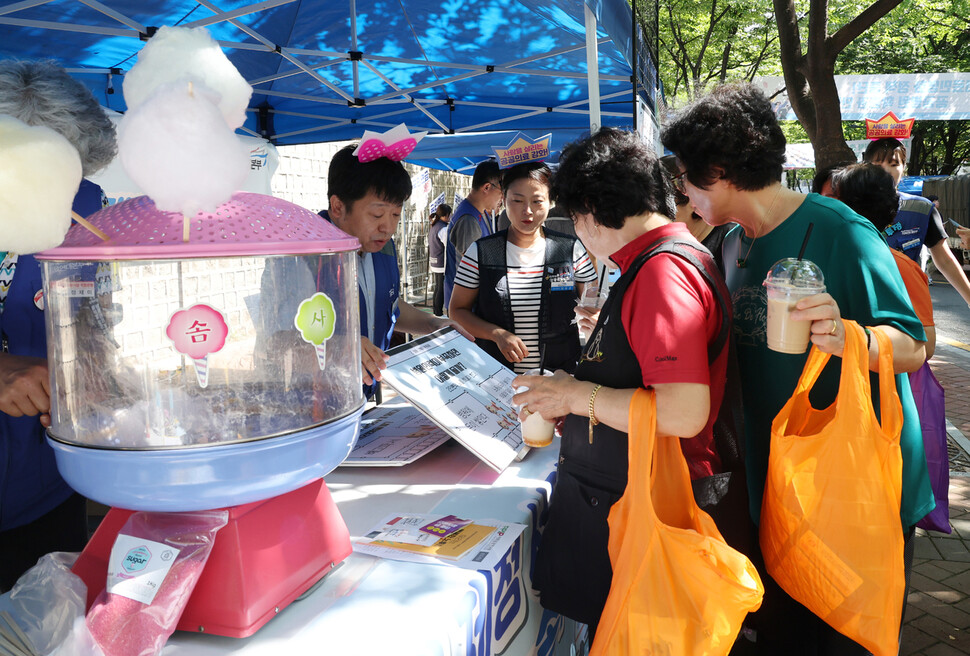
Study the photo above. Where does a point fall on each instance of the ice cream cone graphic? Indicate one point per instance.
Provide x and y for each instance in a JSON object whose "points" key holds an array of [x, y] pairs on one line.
{"points": [[202, 370], [316, 319], [196, 333]]}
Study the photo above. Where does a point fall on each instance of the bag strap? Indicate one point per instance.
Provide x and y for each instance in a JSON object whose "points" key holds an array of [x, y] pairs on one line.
{"points": [[688, 250], [658, 469], [854, 342], [890, 407], [855, 353]]}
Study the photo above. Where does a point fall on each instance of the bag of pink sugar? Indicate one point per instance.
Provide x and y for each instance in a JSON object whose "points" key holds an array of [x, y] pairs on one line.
{"points": [[155, 563]]}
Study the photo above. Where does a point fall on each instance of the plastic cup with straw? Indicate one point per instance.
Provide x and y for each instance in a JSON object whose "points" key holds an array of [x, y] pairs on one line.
{"points": [[789, 281]]}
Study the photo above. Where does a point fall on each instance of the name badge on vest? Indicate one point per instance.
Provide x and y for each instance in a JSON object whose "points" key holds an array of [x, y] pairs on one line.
{"points": [[561, 279]]}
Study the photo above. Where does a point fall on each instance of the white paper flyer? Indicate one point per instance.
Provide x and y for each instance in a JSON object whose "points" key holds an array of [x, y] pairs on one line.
{"points": [[481, 555], [392, 434], [463, 390]]}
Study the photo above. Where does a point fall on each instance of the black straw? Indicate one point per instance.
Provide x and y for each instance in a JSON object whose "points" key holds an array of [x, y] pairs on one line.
{"points": [[808, 233], [542, 359]]}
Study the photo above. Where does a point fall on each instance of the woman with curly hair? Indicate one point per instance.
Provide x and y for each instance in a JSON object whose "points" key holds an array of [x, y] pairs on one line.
{"points": [[39, 513], [731, 150], [664, 325]]}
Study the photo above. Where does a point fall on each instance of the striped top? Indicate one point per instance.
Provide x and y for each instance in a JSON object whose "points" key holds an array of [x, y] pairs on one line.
{"points": [[525, 287]]}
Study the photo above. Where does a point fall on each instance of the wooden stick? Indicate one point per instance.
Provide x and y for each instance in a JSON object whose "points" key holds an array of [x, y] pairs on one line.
{"points": [[8, 648], [186, 225], [19, 635], [89, 226]]}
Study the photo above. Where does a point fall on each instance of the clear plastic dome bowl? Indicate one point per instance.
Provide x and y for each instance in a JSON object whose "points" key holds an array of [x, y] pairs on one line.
{"points": [[206, 373]]}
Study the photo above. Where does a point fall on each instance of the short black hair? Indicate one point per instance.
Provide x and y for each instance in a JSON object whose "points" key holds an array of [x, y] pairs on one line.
{"points": [[869, 190], [825, 174], [612, 175], [485, 172], [732, 129], [881, 149], [670, 166], [350, 180], [538, 171]]}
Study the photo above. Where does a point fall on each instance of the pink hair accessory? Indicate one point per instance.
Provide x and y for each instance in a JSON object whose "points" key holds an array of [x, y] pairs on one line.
{"points": [[395, 144]]}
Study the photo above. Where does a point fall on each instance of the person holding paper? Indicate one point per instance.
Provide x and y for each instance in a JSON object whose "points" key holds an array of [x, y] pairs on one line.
{"points": [[655, 330], [516, 289], [366, 200]]}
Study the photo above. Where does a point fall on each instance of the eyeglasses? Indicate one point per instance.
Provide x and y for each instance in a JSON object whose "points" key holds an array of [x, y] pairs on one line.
{"points": [[678, 182]]}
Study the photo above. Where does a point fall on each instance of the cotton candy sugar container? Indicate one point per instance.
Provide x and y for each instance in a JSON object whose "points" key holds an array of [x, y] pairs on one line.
{"points": [[209, 362]]}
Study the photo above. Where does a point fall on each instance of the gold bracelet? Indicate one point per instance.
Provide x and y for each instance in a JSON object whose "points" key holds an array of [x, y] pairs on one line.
{"points": [[593, 421]]}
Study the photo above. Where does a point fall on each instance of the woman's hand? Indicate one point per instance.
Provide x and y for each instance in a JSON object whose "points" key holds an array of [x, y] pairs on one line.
{"points": [[512, 348], [549, 396], [964, 235], [828, 334], [586, 318], [828, 331]]}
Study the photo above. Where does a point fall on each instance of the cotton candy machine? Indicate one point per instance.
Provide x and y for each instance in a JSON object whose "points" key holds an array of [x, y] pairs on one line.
{"points": [[211, 362]]}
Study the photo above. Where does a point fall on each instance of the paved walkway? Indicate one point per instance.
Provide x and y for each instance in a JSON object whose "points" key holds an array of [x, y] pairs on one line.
{"points": [[937, 620]]}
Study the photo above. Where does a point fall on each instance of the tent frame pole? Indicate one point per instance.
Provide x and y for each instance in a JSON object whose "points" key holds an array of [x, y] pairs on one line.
{"points": [[592, 71]]}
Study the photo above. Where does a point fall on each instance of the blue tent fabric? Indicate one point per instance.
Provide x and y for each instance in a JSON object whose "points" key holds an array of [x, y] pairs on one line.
{"points": [[325, 71]]}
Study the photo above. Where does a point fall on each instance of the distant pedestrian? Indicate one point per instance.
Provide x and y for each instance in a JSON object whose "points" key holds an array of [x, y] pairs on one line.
{"points": [[918, 222], [472, 219], [437, 240]]}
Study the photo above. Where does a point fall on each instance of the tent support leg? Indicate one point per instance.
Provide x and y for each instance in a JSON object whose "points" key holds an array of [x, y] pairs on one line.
{"points": [[592, 70]]}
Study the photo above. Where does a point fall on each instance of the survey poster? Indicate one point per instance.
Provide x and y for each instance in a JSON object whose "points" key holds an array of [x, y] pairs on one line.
{"points": [[461, 388]]}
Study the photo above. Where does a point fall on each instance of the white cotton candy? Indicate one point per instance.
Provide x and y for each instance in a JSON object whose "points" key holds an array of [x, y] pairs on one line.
{"points": [[39, 176], [175, 53], [177, 148]]}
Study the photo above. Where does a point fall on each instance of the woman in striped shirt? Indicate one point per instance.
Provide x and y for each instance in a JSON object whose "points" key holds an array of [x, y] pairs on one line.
{"points": [[515, 290]]}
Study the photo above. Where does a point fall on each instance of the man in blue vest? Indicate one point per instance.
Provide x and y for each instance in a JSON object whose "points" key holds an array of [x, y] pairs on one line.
{"points": [[366, 201], [918, 222], [469, 222]]}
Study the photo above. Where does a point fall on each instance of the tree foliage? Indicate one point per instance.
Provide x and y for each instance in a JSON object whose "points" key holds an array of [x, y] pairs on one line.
{"points": [[704, 42]]}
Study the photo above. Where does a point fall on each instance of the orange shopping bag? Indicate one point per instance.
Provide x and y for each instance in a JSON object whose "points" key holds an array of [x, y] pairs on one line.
{"points": [[830, 528], [678, 588]]}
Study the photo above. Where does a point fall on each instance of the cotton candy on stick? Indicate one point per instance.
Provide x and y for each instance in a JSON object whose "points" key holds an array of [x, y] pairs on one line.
{"points": [[179, 150], [39, 175], [177, 53]]}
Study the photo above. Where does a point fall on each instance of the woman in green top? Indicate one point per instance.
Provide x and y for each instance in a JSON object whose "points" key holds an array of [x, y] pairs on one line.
{"points": [[731, 150]]}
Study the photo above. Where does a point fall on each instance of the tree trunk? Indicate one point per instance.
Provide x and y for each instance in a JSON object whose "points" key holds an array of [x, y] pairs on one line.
{"points": [[809, 77], [829, 140]]}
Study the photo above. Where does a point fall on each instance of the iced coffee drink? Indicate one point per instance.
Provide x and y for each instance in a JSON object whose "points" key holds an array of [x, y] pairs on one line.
{"points": [[536, 431], [788, 282]]}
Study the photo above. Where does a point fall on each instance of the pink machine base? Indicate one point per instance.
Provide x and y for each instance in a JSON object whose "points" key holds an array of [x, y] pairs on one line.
{"points": [[269, 554]]}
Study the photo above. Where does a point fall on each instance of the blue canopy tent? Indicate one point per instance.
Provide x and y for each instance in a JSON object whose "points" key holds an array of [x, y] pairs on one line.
{"points": [[326, 71]]}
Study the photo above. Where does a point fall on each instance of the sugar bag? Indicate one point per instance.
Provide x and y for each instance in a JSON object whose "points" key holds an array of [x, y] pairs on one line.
{"points": [[177, 148], [178, 52], [152, 546], [39, 175]]}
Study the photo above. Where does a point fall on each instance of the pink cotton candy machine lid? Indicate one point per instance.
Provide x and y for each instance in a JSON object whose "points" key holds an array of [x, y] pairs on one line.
{"points": [[246, 224]]}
